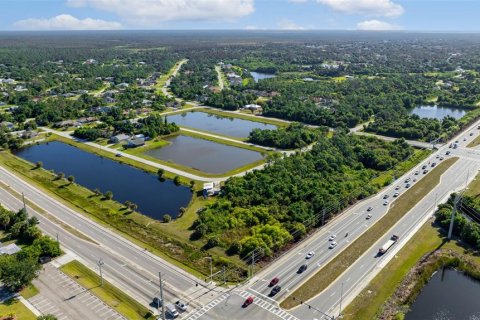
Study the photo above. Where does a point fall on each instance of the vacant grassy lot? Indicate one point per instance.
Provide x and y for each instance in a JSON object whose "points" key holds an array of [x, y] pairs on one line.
{"points": [[326, 275], [108, 293], [15, 307]]}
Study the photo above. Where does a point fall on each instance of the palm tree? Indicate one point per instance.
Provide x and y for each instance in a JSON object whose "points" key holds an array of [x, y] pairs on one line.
{"points": [[71, 179]]}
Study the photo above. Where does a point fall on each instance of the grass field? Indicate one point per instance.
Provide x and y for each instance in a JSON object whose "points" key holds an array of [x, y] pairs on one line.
{"points": [[29, 292], [326, 275], [474, 143], [108, 293], [15, 307]]}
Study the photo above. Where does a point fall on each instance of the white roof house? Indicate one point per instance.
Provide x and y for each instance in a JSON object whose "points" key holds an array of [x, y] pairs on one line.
{"points": [[10, 249]]}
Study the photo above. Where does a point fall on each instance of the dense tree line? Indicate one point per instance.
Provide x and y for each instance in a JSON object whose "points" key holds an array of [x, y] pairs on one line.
{"points": [[464, 228], [294, 136], [269, 208]]}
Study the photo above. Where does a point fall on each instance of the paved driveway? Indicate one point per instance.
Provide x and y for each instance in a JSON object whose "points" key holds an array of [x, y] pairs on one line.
{"points": [[61, 296]]}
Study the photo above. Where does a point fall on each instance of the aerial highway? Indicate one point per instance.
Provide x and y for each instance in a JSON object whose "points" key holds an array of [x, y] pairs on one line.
{"points": [[350, 225]]}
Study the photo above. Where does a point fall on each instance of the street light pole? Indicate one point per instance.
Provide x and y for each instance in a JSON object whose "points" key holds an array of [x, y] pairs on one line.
{"points": [[100, 263], [341, 299], [161, 296]]}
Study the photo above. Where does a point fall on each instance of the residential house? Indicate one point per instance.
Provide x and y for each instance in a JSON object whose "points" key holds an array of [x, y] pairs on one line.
{"points": [[6, 124], [135, 142], [119, 138], [10, 249]]}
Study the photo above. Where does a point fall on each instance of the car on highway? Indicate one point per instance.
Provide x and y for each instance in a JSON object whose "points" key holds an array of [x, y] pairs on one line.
{"points": [[407, 185], [368, 217], [417, 172], [332, 237], [397, 188], [171, 310], [394, 237], [332, 245], [273, 282], [181, 306], [471, 134], [248, 302], [447, 153], [438, 156], [408, 180], [464, 139], [385, 196], [275, 290], [369, 208], [424, 166], [310, 255], [441, 158], [425, 171], [157, 302], [434, 164], [385, 202], [396, 194], [303, 267], [118, 155]]}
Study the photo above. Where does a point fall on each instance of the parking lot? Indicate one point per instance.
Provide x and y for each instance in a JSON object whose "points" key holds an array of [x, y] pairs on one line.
{"points": [[61, 296]]}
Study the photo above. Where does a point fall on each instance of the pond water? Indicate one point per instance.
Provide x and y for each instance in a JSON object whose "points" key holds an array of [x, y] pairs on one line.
{"points": [[449, 295], [259, 75], [232, 127], [153, 197], [204, 155], [437, 112]]}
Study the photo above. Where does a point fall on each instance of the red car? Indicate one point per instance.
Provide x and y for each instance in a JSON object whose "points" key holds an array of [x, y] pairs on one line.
{"points": [[248, 302], [273, 282]]}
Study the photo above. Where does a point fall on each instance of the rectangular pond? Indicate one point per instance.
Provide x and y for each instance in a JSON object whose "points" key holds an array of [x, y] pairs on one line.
{"points": [[437, 112], [449, 295], [153, 197], [228, 126], [260, 75], [204, 155]]}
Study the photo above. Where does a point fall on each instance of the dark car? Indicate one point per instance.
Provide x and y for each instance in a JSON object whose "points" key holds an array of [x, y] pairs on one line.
{"points": [[248, 302], [302, 268], [425, 171], [275, 290], [157, 302], [273, 282], [394, 237], [424, 166]]}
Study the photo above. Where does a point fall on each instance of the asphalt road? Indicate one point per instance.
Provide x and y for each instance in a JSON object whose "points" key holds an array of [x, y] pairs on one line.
{"points": [[126, 265], [355, 222]]}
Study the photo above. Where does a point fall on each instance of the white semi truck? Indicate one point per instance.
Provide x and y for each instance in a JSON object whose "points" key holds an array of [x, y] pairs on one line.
{"points": [[388, 244]]}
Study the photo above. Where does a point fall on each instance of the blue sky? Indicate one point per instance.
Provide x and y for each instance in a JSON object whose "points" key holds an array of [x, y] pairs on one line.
{"points": [[413, 15]]}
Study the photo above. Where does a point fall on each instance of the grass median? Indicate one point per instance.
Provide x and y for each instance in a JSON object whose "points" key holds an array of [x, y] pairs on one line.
{"points": [[108, 293], [333, 269]]}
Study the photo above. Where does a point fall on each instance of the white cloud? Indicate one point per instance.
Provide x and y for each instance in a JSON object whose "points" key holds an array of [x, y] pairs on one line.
{"points": [[286, 24], [253, 27], [66, 22], [384, 8], [376, 25], [150, 12]]}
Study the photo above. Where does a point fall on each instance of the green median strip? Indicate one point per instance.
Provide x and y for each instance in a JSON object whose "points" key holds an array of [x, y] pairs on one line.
{"points": [[474, 143], [108, 293], [331, 271]]}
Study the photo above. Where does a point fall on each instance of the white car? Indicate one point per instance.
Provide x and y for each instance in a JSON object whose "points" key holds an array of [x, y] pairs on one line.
{"points": [[417, 172], [397, 188], [385, 202], [369, 216], [369, 208], [332, 245], [310, 255], [332, 237], [396, 194], [181, 306]]}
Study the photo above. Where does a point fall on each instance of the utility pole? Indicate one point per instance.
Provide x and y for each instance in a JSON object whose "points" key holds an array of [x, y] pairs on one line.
{"points": [[24, 205], [224, 275], [253, 262], [452, 218], [161, 296], [100, 264], [57, 238], [341, 300]]}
